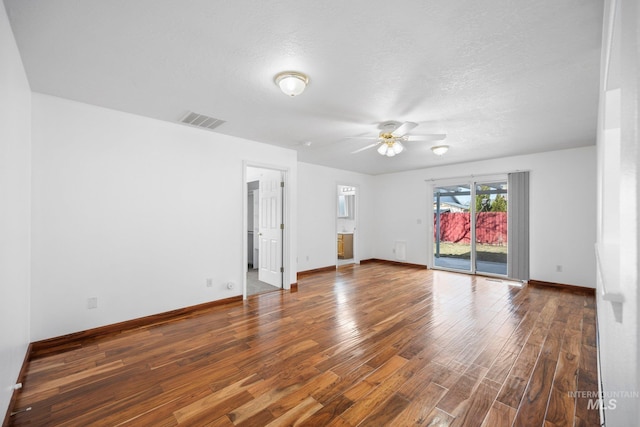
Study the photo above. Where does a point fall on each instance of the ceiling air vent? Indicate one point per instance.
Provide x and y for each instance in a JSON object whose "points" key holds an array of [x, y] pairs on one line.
{"points": [[201, 121]]}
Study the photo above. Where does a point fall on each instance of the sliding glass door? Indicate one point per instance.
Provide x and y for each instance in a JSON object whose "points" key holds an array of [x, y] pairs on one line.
{"points": [[470, 227], [491, 227], [452, 227]]}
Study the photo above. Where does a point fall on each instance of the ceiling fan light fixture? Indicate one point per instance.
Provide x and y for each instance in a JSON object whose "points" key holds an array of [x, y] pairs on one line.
{"points": [[292, 83], [439, 150], [390, 148], [397, 147]]}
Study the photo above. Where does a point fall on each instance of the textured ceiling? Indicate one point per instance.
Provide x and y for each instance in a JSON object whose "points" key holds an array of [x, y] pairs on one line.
{"points": [[500, 78]]}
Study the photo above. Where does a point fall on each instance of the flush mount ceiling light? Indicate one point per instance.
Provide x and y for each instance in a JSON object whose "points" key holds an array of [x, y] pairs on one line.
{"points": [[292, 83], [439, 150]]}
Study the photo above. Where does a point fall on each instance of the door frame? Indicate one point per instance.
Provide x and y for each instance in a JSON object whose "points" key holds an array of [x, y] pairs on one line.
{"points": [[356, 252], [286, 220]]}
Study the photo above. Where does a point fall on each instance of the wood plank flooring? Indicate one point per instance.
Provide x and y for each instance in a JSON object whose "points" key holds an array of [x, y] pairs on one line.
{"points": [[372, 345]]}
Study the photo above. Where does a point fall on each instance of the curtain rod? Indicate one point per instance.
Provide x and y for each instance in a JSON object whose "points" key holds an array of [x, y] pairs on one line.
{"points": [[477, 175]]}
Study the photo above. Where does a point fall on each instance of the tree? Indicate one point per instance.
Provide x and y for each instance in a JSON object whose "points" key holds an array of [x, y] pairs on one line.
{"points": [[485, 204], [499, 204]]}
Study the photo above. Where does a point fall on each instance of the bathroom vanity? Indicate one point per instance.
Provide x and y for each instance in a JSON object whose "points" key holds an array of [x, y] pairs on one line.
{"points": [[345, 245]]}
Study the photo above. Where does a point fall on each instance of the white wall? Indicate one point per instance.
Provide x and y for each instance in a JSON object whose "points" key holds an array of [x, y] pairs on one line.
{"points": [[15, 191], [317, 214], [618, 219], [136, 212], [563, 211]]}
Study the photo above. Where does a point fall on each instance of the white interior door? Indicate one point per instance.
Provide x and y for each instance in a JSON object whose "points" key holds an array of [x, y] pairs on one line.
{"points": [[270, 233], [256, 228]]}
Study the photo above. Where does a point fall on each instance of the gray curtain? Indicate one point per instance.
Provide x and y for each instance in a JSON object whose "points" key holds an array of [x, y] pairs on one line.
{"points": [[518, 226]]}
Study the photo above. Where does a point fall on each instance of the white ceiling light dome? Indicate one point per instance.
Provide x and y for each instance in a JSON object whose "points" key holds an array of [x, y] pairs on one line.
{"points": [[439, 150], [292, 83]]}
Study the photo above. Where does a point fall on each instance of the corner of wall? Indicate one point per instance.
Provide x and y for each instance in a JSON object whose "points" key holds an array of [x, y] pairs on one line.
{"points": [[15, 218]]}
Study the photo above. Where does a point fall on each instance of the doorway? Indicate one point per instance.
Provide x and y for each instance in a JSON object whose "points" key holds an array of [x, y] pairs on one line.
{"points": [[346, 224], [265, 230], [470, 226]]}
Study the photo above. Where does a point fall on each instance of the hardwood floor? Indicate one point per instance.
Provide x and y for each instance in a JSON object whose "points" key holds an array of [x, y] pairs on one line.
{"points": [[372, 345]]}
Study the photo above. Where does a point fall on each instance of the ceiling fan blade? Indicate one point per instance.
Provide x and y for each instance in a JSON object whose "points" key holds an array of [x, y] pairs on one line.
{"points": [[428, 137], [365, 148], [404, 128]]}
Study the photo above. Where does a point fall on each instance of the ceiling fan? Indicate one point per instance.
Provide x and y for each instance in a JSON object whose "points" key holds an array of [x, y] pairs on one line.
{"points": [[393, 134]]}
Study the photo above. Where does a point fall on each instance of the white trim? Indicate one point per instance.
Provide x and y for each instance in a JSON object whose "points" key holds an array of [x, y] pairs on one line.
{"points": [[608, 31], [356, 233], [429, 226], [485, 176]]}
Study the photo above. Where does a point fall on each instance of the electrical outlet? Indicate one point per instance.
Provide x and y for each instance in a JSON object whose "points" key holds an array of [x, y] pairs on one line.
{"points": [[92, 302], [558, 268], [209, 282], [307, 257], [419, 221]]}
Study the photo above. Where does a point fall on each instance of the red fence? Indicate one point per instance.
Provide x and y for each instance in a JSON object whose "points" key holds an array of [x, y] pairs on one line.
{"points": [[491, 227]]}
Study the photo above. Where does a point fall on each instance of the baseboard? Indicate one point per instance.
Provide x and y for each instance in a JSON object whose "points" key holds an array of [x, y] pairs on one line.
{"points": [[294, 287], [399, 263], [77, 339], [541, 283], [14, 395], [315, 270]]}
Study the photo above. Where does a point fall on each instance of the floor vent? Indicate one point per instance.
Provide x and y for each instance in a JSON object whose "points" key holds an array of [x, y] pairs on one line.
{"points": [[201, 121]]}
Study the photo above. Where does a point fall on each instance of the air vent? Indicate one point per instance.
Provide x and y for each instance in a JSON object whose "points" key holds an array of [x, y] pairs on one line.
{"points": [[201, 121]]}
